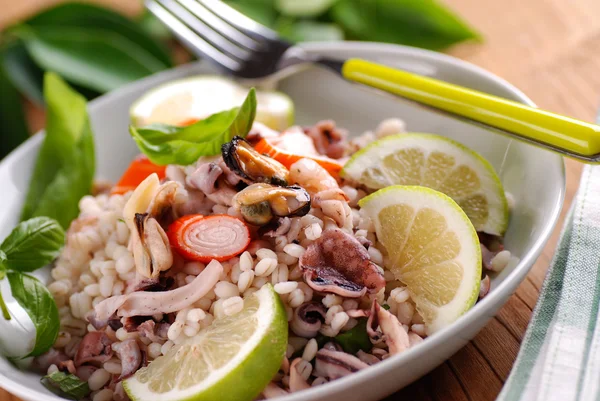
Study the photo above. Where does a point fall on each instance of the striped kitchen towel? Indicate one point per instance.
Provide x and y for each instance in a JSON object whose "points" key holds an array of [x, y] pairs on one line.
{"points": [[559, 358]]}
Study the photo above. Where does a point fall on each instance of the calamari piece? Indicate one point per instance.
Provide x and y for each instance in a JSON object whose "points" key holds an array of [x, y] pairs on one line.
{"points": [[281, 226], [144, 303], [307, 319], [53, 356], [484, 286], [349, 273], [130, 355], [94, 349], [394, 335], [336, 364], [223, 194], [297, 382], [329, 140], [205, 177]]}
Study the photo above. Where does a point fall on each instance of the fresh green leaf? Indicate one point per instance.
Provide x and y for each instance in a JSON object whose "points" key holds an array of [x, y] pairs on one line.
{"points": [[2, 264], [165, 144], [3, 307], [13, 127], [68, 385], [65, 165], [262, 11], [309, 31], [96, 58], [304, 8], [355, 339], [33, 244], [22, 72], [89, 16], [421, 23], [34, 297]]}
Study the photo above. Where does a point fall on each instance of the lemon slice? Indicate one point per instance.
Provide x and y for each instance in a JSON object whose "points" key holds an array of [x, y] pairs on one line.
{"points": [[432, 248], [439, 163], [231, 360], [198, 97]]}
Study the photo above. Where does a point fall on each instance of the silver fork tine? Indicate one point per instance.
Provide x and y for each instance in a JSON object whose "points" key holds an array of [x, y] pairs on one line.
{"points": [[191, 38], [203, 30], [240, 21], [220, 26]]}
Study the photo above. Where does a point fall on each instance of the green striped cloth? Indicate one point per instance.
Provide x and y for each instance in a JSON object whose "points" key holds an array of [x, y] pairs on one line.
{"points": [[559, 358]]}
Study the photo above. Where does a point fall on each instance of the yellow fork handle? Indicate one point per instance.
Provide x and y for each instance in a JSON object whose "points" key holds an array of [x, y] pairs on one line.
{"points": [[576, 138]]}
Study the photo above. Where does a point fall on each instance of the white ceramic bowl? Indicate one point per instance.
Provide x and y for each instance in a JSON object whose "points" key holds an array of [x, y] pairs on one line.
{"points": [[534, 177]]}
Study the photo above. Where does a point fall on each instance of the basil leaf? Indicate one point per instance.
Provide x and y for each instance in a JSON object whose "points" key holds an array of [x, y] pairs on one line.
{"points": [[12, 119], [34, 297], [33, 244], [23, 73], [309, 31], [355, 339], [68, 385], [65, 165], [86, 16], [304, 8], [4, 309], [262, 11], [95, 58], [421, 23], [166, 144]]}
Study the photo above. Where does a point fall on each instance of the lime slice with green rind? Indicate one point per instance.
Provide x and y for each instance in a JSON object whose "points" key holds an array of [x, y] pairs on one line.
{"points": [[439, 163], [432, 248], [196, 98], [231, 360]]}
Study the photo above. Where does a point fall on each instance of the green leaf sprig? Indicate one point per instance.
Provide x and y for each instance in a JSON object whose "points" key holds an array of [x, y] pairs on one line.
{"points": [[67, 385], [93, 48], [355, 339], [167, 144], [64, 170], [31, 245], [422, 23]]}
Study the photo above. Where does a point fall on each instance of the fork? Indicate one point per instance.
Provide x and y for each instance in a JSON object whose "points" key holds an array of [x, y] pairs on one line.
{"points": [[244, 48]]}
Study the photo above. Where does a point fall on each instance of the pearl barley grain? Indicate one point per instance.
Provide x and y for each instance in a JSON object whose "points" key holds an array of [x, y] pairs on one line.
{"points": [[233, 306], [294, 250], [98, 379], [103, 395], [265, 267], [310, 350], [286, 287]]}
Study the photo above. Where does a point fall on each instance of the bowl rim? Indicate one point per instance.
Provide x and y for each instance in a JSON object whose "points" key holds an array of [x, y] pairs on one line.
{"points": [[481, 310]]}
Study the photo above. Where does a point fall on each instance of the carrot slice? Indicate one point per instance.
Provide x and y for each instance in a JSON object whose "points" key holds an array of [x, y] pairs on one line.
{"points": [[188, 122], [288, 158], [204, 238], [138, 171]]}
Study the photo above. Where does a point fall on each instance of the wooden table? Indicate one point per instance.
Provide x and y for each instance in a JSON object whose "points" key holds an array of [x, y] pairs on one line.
{"points": [[550, 49]]}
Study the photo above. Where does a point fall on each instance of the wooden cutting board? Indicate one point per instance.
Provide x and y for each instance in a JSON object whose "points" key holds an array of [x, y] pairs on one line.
{"points": [[550, 49]]}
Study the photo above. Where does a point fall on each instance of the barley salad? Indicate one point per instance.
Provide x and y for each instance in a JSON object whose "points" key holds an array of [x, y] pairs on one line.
{"points": [[237, 244]]}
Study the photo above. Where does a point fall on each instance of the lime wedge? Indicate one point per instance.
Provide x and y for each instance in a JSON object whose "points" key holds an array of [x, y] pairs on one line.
{"points": [[439, 163], [432, 248], [198, 97], [231, 360]]}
